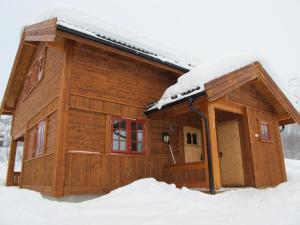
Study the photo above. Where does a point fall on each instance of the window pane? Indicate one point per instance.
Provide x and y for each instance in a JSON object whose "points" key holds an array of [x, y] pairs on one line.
{"points": [[123, 135], [140, 136], [264, 129], [140, 147], [133, 126], [115, 145], [40, 132], [116, 134], [116, 124], [133, 136], [188, 138], [123, 125], [133, 146], [122, 146], [195, 139], [140, 127]]}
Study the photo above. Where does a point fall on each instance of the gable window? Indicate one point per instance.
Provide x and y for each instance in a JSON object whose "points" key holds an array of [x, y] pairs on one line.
{"points": [[128, 136], [264, 131], [34, 75], [40, 138]]}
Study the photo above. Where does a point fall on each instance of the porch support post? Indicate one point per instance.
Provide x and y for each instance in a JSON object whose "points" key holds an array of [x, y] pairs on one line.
{"points": [[11, 163], [214, 146]]}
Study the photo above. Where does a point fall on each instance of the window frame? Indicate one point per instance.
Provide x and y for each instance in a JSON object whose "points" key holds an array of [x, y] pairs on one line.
{"points": [[262, 137], [128, 136], [43, 147]]}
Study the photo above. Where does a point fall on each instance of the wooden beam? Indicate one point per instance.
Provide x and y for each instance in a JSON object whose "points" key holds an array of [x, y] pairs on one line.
{"points": [[11, 163], [43, 31], [62, 120], [223, 85], [214, 145], [179, 109], [227, 106], [276, 91], [282, 116]]}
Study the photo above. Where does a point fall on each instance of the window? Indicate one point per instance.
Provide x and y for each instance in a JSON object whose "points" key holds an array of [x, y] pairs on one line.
{"points": [[40, 138], [264, 129], [128, 136], [191, 139], [195, 139], [34, 75], [188, 138]]}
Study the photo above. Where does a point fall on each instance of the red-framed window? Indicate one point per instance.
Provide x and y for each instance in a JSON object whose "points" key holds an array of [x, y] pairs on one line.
{"points": [[128, 135], [40, 138]]}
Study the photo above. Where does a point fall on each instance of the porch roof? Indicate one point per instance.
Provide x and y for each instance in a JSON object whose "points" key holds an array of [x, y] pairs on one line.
{"points": [[215, 83]]}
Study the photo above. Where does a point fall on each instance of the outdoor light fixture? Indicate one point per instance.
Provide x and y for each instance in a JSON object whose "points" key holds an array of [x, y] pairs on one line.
{"points": [[166, 137]]}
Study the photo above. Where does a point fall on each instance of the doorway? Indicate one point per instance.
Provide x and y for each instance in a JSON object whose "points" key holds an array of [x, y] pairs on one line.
{"points": [[230, 148]]}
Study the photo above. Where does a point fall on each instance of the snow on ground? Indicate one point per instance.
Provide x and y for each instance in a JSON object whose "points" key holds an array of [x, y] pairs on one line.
{"points": [[147, 201]]}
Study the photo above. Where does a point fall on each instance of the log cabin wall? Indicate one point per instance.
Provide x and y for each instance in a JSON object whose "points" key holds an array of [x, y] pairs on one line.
{"points": [[104, 85], [266, 156], [40, 104]]}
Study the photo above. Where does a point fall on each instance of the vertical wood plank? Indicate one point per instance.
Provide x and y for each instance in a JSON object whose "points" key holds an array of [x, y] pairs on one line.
{"points": [[25, 153], [11, 163], [280, 151], [63, 108], [214, 146]]}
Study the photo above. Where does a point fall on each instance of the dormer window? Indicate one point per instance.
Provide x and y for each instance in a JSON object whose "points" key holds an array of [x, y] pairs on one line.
{"points": [[34, 75]]}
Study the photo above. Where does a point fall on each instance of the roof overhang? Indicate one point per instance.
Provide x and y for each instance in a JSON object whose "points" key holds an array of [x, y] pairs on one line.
{"points": [[220, 87], [47, 31]]}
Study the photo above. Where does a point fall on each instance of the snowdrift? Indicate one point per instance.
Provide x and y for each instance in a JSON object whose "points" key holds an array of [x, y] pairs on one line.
{"points": [[148, 201]]}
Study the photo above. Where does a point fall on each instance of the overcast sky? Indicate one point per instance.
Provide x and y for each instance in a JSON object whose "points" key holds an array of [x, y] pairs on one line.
{"points": [[206, 29]]}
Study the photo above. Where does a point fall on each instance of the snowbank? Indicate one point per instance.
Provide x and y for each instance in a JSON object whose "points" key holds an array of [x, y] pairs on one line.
{"points": [[147, 201]]}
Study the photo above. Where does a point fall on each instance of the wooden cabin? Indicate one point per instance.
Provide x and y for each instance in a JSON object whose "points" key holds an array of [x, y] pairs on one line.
{"points": [[79, 103]]}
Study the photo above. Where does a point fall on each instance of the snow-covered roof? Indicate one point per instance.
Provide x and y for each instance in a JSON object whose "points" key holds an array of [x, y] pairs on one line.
{"points": [[98, 28], [192, 82]]}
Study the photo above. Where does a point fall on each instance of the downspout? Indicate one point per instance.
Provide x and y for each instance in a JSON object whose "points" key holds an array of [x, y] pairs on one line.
{"points": [[210, 172]]}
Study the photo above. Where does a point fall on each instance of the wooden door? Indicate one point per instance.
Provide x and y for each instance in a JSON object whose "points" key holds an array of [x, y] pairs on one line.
{"points": [[230, 154], [193, 147]]}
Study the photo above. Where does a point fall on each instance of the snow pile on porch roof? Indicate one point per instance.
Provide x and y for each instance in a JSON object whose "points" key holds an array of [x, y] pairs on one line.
{"points": [[192, 82], [93, 26]]}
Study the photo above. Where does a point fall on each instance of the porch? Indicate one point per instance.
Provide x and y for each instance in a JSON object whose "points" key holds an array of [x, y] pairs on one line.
{"points": [[220, 157]]}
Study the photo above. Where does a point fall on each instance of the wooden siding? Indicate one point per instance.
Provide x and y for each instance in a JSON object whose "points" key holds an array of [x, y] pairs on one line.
{"points": [[45, 92], [267, 156], [41, 103], [43, 31], [38, 171], [189, 175], [103, 85], [97, 173], [108, 76], [86, 131], [92, 168]]}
